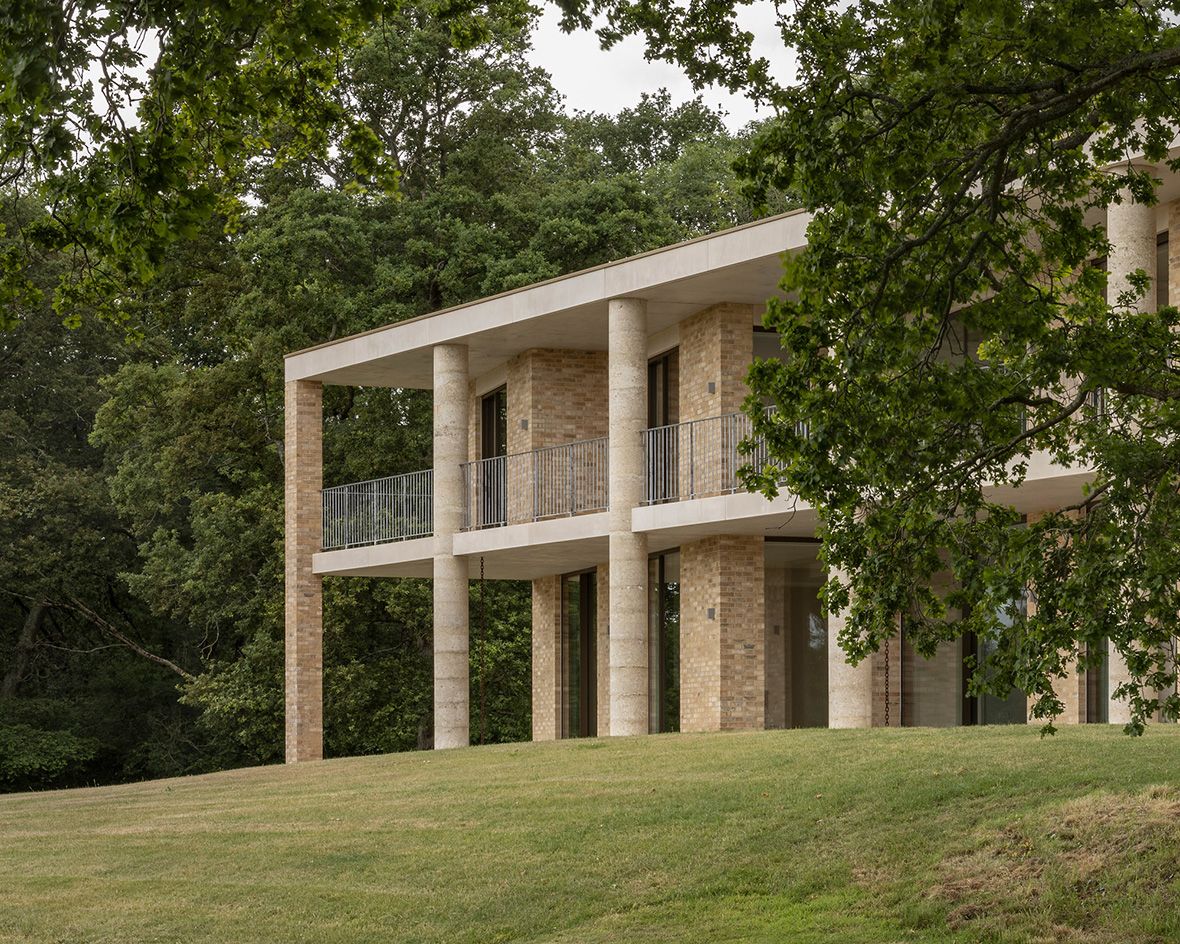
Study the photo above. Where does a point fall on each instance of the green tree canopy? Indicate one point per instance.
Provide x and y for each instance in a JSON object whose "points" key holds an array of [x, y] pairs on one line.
{"points": [[141, 469], [134, 123]]}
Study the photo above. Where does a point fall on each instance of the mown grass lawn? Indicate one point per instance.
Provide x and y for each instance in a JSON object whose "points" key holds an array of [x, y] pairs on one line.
{"points": [[887, 835]]}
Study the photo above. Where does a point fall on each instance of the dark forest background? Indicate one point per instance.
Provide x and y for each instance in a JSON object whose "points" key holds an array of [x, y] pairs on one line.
{"points": [[141, 599]]}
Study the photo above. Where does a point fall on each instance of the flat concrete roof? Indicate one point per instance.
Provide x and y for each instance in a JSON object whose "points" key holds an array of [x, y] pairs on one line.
{"points": [[742, 265]]}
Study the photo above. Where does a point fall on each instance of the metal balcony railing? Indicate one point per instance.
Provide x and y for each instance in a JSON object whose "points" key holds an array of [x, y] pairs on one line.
{"points": [[700, 458], [554, 482], [378, 511]]}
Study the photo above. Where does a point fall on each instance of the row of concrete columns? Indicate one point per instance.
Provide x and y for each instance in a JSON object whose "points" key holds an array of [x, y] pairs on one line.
{"points": [[1131, 231], [627, 368]]}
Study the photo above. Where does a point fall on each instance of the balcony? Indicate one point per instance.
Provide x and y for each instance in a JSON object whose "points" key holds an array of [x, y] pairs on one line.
{"points": [[379, 511], [700, 458], [554, 482]]}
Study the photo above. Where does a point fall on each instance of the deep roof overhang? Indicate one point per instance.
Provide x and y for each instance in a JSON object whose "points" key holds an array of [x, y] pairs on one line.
{"points": [[741, 265]]}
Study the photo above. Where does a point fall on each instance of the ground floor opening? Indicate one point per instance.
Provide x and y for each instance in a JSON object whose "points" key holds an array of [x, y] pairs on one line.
{"points": [[737, 639]]}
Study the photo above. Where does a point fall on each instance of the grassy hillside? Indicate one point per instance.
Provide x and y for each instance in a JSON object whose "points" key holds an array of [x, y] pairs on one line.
{"points": [[985, 834]]}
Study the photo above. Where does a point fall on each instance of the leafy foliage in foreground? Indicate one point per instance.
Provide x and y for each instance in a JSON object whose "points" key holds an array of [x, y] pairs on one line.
{"points": [[947, 327], [135, 124]]}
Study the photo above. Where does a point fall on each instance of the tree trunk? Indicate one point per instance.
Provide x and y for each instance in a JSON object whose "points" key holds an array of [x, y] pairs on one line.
{"points": [[25, 644]]}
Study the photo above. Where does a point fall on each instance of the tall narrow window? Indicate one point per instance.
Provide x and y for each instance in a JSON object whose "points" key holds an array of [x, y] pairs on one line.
{"points": [[664, 634], [994, 709], [663, 401], [768, 344], [1162, 297], [662, 395], [579, 664], [493, 431], [1098, 688], [493, 424]]}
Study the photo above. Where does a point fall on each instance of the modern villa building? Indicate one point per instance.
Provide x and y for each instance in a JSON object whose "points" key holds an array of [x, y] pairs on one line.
{"points": [[586, 439]]}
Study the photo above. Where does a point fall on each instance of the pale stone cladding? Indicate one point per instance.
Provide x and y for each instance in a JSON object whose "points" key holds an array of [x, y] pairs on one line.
{"points": [[722, 626], [1072, 692], [303, 589], [602, 648]]}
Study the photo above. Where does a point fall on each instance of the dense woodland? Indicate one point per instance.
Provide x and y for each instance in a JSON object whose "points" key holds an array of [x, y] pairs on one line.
{"points": [[141, 602]]}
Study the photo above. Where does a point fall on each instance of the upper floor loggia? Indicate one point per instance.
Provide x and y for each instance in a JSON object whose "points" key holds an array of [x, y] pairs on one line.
{"points": [[534, 497]]}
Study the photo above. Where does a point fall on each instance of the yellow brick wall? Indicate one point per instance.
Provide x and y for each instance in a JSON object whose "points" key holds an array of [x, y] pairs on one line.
{"points": [[546, 656], [716, 346], [304, 665], [554, 397], [700, 637], [722, 660], [743, 625]]}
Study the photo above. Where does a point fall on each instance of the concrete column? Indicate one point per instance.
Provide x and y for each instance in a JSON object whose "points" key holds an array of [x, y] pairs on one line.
{"points": [[303, 644], [1130, 227], [850, 687], [627, 416], [451, 659]]}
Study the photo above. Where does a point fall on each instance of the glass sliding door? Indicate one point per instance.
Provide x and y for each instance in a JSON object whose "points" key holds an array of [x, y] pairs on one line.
{"points": [[663, 581], [796, 639], [1098, 689], [579, 663], [994, 709], [932, 689]]}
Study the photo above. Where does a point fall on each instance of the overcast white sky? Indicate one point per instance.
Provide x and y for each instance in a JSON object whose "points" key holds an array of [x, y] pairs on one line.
{"points": [[593, 80]]}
